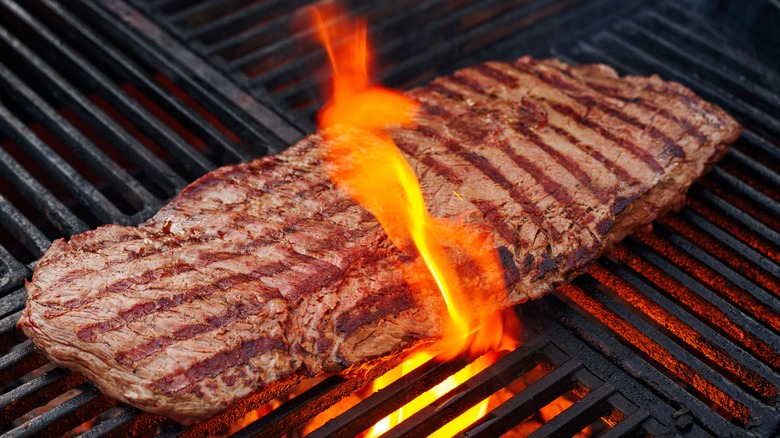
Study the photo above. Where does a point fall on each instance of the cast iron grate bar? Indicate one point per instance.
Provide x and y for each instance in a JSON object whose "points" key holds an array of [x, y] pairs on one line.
{"points": [[21, 227], [581, 414], [8, 322], [48, 205], [524, 403], [223, 45], [710, 383], [109, 59], [87, 194], [129, 188], [732, 275], [57, 415], [397, 394], [578, 325], [260, 128], [417, 67], [96, 82], [237, 19], [758, 96], [749, 115], [119, 420], [700, 38], [713, 313], [474, 390], [729, 241], [65, 93], [742, 189], [757, 169]]}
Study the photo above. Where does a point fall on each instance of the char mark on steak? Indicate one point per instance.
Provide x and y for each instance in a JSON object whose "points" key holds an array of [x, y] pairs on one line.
{"points": [[262, 273]]}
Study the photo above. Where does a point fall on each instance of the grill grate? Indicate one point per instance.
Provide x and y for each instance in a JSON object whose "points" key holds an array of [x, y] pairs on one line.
{"points": [[677, 330]]}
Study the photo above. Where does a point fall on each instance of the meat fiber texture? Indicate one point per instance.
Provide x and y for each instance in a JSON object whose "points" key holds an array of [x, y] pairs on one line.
{"points": [[261, 273]]}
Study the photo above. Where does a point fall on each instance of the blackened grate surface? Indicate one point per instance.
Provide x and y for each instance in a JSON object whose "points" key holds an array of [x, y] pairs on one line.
{"points": [[678, 330]]}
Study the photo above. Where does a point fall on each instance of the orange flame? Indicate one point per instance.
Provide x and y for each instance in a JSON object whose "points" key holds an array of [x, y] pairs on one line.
{"points": [[365, 163]]}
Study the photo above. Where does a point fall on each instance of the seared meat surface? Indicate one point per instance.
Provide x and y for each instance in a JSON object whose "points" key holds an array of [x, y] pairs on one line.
{"points": [[260, 273]]}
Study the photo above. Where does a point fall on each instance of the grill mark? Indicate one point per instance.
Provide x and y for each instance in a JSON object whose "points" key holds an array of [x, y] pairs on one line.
{"points": [[614, 92], [384, 302], [435, 110], [628, 145], [670, 144], [617, 170], [204, 259], [181, 380], [169, 241], [496, 75], [567, 111], [444, 91], [495, 218], [489, 210], [490, 171], [487, 169], [90, 332], [468, 82], [550, 186], [326, 274], [566, 162], [130, 357], [146, 277]]}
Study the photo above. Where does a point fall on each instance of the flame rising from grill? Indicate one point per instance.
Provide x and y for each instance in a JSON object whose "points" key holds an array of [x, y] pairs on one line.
{"points": [[366, 164]]}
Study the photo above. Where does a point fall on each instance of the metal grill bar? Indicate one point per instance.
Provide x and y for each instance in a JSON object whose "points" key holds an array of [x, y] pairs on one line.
{"points": [[474, 390], [397, 394], [583, 413], [756, 141], [65, 221], [120, 419], [95, 81], [687, 30], [114, 175], [756, 168], [226, 44], [49, 79], [534, 397], [236, 19], [243, 115], [630, 425], [202, 12], [64, 416], [37, 392], [19, 361], [10, 310], [741, 189], [699, 336], [662, 349], [110, 60], [730, 242], [758, 96], [751, 116], [59, 169], [20, 226], [638, 368], [758, 303]]}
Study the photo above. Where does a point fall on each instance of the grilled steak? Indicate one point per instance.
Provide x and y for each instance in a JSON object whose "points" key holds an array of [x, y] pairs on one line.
{"points": [[263, 272]]}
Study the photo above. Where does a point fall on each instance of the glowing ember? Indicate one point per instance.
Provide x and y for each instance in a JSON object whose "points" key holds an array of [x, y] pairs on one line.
{"points": [[365, 163]]}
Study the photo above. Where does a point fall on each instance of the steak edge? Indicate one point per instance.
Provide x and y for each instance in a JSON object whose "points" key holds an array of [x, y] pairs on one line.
{"points": [[259, 274]]}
